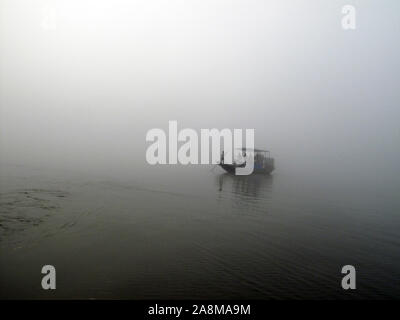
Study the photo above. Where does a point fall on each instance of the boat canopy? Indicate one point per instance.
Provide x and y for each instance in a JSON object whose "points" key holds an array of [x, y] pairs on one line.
{"points": [[262, 153]]}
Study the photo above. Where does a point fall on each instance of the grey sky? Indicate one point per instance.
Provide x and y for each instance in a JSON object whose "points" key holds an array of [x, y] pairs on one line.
{"points": [[81, 82]]}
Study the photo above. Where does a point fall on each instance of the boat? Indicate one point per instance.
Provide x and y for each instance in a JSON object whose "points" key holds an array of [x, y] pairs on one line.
{"points": [[263, 163]]}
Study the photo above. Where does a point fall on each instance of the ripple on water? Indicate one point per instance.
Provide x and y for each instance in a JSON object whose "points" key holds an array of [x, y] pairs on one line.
{"points": [[26, 208]]}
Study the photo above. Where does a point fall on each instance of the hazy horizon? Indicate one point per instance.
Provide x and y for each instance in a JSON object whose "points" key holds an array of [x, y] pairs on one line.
{"points": [[81, 82]]}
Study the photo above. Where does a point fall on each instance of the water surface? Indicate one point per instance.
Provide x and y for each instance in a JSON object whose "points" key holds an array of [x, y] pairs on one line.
{"points": [[195, 232]]}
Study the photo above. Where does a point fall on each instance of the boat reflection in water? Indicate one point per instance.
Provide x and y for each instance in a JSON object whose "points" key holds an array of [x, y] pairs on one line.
{"points": [[251, 188]]}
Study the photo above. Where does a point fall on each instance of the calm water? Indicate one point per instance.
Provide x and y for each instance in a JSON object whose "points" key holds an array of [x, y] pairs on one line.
{"points": [[193, 232]]}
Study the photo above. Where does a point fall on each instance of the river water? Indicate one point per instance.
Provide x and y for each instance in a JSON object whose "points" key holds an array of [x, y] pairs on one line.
{"points": [[195, 232]]}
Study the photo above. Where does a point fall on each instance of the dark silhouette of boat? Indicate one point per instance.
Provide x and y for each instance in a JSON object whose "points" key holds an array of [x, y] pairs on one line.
{"points": [[263, 163]]}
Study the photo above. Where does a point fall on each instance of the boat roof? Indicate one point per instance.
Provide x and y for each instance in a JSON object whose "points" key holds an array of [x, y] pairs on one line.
{"points": [[251, 149]]}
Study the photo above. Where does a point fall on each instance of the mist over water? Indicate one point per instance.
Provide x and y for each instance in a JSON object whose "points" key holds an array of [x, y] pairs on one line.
{"points": [[81, 83], [195, 233]]}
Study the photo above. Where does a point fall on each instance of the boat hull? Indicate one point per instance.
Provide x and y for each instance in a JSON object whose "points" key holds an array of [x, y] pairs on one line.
{"points": [[231, 168]]}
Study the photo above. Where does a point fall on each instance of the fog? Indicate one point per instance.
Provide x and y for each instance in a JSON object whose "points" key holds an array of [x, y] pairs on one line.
{"points": [[81, 82]]}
